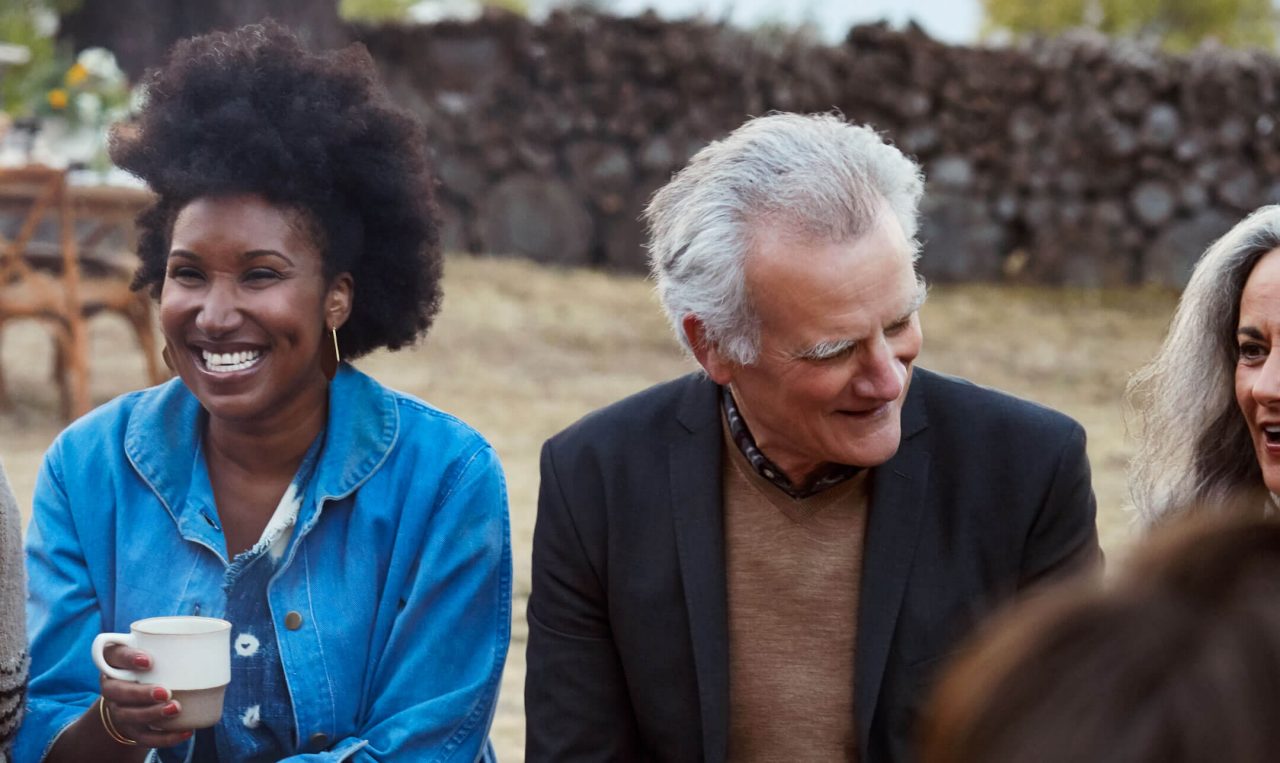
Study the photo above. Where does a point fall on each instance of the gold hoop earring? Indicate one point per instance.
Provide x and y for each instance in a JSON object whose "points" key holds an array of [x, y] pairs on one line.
{"points": [[329, 363]]}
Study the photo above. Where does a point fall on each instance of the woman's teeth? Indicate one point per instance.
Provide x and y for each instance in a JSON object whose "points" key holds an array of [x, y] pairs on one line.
{"points": [[226, 362]]}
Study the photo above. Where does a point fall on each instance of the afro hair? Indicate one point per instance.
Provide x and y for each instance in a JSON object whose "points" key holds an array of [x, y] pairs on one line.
{"points": [[251, 111]]}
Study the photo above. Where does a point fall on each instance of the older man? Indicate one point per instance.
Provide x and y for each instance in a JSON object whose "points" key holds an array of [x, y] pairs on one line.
{"points": [[768, 561]]}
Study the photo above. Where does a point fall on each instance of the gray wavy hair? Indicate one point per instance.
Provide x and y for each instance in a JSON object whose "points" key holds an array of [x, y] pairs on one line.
{"points": [[1194, 446], [818, 175]]}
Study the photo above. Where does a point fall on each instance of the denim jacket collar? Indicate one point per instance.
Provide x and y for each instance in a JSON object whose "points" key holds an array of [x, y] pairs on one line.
{"points": [[163, 432]]}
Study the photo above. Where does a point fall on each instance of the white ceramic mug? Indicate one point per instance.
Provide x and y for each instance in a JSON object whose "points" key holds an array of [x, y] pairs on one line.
{"points": [[190, 656]]}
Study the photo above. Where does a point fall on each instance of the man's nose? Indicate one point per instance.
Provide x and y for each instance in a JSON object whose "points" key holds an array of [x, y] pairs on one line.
{"points": [[219, 313], [881, 376]]}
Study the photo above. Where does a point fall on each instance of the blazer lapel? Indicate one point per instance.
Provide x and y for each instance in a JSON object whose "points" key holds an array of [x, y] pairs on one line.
{"points": [[695, 463], [896, 507]]}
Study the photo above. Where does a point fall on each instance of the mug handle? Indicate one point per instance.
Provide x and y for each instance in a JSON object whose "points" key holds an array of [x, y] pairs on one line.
{"points": [[101, 642]]}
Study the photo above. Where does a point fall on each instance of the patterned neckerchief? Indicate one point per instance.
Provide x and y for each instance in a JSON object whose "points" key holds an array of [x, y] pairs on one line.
{"points": [[828, 476]]}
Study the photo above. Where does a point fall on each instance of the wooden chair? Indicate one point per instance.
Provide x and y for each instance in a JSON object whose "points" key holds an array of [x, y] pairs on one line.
{"points": [[46, 283], [107, 266]]}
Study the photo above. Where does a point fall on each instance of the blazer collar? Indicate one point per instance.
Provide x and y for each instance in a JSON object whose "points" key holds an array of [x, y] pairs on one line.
{"points": [[164, 428], [896, 506], [694, 464]]}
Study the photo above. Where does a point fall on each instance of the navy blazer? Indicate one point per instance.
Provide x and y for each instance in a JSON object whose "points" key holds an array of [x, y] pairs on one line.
{"points": [[628, 638]]}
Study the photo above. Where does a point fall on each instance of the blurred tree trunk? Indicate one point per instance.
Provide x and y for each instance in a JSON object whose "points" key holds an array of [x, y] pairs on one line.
{"points": [[140, 32]]}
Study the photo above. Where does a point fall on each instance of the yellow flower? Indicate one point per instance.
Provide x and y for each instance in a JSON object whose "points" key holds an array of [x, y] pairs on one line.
{"points": [[58, 99], [76, 74]]}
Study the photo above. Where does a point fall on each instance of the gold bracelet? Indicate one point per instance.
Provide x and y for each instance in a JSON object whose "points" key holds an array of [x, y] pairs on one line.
{"points": [[109, 726]]}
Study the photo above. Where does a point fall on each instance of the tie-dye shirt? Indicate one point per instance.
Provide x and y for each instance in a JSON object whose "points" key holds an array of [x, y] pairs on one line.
{"points": [[257, 716]]}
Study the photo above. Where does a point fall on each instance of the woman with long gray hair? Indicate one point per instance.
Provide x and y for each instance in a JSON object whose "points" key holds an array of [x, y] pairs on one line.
{"points": [[1208, 405]]}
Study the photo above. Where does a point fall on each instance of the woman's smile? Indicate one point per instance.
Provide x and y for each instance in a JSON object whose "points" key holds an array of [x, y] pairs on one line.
{"points": [[230, 361], [223, 363]]}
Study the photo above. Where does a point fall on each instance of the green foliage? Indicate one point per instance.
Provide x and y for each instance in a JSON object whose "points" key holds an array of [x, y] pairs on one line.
{"points": [[380, 11], [375, 10], [32, 23], [1179, 25], [519, 7], [1022, 17]]}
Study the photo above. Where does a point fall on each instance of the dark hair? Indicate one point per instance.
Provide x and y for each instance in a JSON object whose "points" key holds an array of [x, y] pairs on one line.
{"points": [[1179, 662], [250, 111]]}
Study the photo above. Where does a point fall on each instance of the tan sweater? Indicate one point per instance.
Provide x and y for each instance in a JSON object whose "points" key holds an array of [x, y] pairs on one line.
{"points": [[793, 570]]}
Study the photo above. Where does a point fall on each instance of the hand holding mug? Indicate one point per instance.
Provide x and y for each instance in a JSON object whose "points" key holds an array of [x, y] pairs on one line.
{"points": [[135, 710], [165, 677]]}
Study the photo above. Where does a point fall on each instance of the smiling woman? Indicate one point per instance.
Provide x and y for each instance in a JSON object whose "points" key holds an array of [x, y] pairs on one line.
{"points": [[246, 307], [272, 484], [1257, 373], [1209, 402]]}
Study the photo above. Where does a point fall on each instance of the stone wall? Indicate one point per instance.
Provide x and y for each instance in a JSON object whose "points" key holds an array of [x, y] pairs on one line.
{"points": [[1071, 161]]}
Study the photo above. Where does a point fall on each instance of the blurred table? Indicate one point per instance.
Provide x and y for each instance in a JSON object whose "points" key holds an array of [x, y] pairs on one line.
{"points": [[67, 254]]}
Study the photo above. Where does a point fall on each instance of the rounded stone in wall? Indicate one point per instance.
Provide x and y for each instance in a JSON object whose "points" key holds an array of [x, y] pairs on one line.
{"points": [[1233, 132], [1169, 259], [601, 171], [1239, 188], [1119, 139], [460, 177], [623, 234], [1153, 202], [1006, 206], [953, 172], [658, 154], [542, 219], [919, 139], [1161, 126], [1025, 125], [453, 229], [961, 241], [1193, 196]]}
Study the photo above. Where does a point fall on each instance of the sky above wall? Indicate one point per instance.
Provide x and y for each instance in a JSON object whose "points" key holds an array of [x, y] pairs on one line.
{"points": [[954, 21]]}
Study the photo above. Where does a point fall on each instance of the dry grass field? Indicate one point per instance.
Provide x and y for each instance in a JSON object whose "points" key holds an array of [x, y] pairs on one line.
{"points": [[520, 351]]}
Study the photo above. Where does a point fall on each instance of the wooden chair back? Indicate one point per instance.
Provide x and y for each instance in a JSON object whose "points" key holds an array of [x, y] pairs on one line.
{"points": [[46, 282]]}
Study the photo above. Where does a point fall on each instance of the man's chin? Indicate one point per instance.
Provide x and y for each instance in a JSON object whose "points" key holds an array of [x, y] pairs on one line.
{"points": [[872, 457], [871, 448]]}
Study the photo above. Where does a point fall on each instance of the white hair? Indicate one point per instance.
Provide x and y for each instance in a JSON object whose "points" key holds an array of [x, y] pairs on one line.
{"points": [[817, 175], [1194, 447]]}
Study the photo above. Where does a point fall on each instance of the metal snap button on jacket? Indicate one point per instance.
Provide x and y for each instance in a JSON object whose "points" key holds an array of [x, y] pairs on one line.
{"points": [[293, 621], [319, 740]]}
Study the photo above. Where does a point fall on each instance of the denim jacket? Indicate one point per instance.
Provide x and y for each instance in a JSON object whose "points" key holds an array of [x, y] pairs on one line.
{"points": [[400, 574]]}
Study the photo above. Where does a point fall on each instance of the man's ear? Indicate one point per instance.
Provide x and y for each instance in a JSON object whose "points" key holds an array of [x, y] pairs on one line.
{"points": [[717, 366], [337, 302]]}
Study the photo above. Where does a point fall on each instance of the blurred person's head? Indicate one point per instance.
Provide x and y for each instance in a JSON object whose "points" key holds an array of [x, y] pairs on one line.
{"points": [[294, 217], [1208, 398], [1178, 661], [784, 256]]}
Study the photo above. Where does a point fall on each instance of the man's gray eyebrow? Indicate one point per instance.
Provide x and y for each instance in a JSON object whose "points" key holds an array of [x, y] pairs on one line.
{"points": [[828, 347], [917, 302]]}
